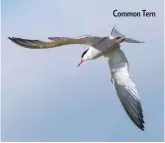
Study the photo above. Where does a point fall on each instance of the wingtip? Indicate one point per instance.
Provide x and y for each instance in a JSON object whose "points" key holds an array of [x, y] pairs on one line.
{"points": [[10, 38], [13, 39], [141, 127]]}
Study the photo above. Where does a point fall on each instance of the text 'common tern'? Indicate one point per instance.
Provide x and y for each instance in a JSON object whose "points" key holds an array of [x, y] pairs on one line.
{"points": [[118, 64]]}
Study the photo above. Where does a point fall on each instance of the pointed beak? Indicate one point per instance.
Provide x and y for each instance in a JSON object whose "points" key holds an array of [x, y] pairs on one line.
{"points": [[81, 61]]}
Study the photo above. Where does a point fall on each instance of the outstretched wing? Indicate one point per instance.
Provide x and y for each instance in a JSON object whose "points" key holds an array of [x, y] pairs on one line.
{"points": [[125, 88], [55, 41]]}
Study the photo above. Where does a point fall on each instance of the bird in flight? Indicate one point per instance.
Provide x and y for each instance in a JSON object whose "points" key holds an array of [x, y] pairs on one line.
{"points": [[109, 47]]}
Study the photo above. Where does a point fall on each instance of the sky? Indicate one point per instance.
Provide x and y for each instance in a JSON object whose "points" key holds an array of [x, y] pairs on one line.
{"points": [[45, 97]]}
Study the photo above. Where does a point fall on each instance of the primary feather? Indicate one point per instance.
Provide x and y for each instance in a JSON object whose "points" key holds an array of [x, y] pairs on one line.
{"points": [[55, 41], [125, 87]]}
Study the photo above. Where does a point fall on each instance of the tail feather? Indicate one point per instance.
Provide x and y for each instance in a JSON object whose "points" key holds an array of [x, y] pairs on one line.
{"points": [[129, 40], [115, 33]]}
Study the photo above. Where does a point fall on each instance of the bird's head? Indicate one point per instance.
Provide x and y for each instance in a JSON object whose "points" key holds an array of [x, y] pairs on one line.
{"points": [[119, 40], [85, 56]]}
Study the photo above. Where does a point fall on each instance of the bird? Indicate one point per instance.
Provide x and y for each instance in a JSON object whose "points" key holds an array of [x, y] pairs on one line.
{"points": [[108, 47]]}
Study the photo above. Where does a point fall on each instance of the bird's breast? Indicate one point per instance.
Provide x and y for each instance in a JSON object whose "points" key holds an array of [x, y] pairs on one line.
{"points": [[94, 53], [103, 48]]}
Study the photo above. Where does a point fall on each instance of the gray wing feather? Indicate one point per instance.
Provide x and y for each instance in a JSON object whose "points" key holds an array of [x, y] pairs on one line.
{"points": [[128, 96], [55, 42], [125, 87]]}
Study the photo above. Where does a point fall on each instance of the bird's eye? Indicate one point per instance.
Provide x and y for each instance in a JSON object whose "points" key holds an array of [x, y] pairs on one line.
{"points": [[84, 53]]}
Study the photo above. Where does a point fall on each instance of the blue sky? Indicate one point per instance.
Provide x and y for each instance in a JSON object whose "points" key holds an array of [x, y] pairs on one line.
{"points": [[45, 97]]}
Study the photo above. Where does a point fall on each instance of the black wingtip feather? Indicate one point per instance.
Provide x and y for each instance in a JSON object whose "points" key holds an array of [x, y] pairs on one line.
{"points": [[10, 38]]}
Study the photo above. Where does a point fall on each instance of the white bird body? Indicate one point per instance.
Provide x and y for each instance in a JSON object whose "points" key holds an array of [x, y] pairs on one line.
{"points": [[101, 48], [118, 64]]}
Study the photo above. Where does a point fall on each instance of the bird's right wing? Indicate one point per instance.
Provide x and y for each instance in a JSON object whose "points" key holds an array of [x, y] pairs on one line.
{"points": [[125, 88], [55, 41]]}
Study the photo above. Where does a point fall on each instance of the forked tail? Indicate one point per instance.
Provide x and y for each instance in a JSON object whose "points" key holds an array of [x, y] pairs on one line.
{"points": [[115, 33]]}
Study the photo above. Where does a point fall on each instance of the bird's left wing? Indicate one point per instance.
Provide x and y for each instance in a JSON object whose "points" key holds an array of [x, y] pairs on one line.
{"points": [[55, 41], [125, 88]]}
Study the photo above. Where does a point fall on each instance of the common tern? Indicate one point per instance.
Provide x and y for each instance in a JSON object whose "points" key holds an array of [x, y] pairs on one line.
{"points": [[109, 47]]}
